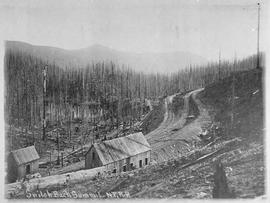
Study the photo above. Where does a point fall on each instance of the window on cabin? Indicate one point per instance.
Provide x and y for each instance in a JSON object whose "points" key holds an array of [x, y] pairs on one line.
{"points": [[140, 163], [125, 168], [131, 165], [146, 161], [93, 156]]}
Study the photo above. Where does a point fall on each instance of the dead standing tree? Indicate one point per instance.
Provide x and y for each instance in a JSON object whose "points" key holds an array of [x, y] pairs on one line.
{"points": [[44, 101], [221, 189]]}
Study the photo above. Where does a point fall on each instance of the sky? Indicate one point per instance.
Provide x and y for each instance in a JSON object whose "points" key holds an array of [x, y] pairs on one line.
{"points": [[201, 27]]}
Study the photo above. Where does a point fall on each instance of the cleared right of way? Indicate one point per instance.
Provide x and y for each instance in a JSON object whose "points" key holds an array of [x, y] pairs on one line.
{"points": [[174, 137]]}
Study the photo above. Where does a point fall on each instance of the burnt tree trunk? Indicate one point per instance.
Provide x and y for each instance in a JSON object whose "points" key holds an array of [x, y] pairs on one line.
{"points": [[221, 189]]}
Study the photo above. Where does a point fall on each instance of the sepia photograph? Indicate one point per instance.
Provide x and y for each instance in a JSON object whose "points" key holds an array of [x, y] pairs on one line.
{"points": [[134, 99]]}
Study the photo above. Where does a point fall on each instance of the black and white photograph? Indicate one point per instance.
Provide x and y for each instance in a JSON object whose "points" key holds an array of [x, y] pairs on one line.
{"points": [[134, 99]]}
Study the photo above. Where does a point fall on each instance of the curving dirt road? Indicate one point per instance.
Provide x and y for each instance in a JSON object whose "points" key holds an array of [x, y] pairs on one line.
{"points": [[174, 138]]}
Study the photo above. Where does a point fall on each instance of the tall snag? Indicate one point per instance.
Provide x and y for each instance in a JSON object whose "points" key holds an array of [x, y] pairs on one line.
{"points": [[221, 189]]}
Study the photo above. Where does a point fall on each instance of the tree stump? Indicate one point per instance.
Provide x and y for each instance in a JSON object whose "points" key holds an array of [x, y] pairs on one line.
{"points": [[221, 189]]}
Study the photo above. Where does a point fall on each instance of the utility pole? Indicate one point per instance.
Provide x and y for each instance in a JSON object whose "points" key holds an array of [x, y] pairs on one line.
{"points": [[258, 38], [44, 101], [219, 63], [82, 144], [233, 92], [50, 158], [62, 158], [58, 148]]}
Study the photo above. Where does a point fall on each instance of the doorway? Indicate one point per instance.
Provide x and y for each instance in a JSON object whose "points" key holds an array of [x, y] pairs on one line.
{"points": [[140, 163], [28, 169]]}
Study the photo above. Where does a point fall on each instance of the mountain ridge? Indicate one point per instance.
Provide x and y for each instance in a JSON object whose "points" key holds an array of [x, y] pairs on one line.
{"points": [[164, 62]]}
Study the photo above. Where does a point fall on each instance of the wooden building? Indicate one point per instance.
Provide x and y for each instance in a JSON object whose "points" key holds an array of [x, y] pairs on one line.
{"points": [[22, 162], [119, 154]]}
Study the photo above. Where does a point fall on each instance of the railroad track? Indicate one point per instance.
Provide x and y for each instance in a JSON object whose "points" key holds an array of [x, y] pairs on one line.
{"points": [[173, 138]]}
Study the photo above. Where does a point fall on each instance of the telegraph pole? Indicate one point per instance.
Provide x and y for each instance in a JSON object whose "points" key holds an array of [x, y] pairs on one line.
{"points": [[233, 96], [233, 91], [219, 65], [58, 148], [258, 37], [44, 101]]}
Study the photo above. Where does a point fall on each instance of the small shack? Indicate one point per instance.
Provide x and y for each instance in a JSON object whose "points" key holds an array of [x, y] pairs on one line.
{"points": [[119, 154], [22, 162]]}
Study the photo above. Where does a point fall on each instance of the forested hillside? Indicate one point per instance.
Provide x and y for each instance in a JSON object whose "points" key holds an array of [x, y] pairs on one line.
{"points": [[118, 92]]}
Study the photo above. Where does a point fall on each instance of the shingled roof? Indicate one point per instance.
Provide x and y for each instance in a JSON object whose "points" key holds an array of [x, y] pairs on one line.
{"points": [[25, 155], [120, 148]]}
